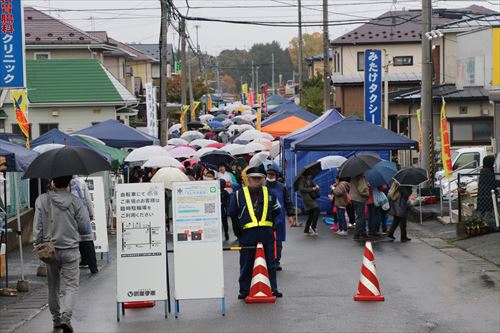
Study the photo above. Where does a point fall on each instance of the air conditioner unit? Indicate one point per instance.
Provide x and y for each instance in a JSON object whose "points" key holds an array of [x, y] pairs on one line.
{"points": [[129, 71]]}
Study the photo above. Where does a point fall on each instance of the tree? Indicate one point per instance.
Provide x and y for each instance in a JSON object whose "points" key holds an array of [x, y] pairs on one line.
{"points": [[312, 45], [174, 89], [312, 94], [228, 84]]}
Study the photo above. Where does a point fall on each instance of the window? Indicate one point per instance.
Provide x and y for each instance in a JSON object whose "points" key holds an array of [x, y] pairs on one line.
{"points": [[17, 130], [463, 109], [44, 128], [403, 61], [467, 161], [471, 131], [361, 61], [2, 125], [42, 55]]}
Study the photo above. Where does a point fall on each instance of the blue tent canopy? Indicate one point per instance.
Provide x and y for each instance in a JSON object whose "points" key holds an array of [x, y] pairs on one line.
{"points": [[289, 110], [277, 100], [115, 134], [285, 107], [56, 136], [328, 118], [354, 134], [18, 157]]}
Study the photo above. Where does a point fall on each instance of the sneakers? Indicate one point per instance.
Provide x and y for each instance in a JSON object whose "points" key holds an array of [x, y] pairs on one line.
{"points": [[341, 233], [391, 237], [277, 294], [309, 233], [66, 327], [56, 323], [242, 296], [404, 240]]}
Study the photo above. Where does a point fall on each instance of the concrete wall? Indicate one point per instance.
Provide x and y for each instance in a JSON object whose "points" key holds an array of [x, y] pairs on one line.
{"points": [[65, 53], [143, 70], [447, 57], [349, 60], [69, 119], [478, 45]]}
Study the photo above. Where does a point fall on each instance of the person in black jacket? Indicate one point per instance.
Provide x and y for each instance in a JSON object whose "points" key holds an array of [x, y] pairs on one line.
{"points": [[399, 210], [487, 182]]}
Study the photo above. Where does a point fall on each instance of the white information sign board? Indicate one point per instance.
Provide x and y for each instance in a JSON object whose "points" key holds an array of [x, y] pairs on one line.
{"points": [[198, 260], [141, 242], [99, 229]]}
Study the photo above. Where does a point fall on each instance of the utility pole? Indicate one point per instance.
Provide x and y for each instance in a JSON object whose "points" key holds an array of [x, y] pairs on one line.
{"points": [[253, 78], [165, 11], [182, 30], [218, 81], [257, 79], [427, 154], [272, 74], [326, 59], [386, 89], [197, 38], [190, 84], [300, 55]]}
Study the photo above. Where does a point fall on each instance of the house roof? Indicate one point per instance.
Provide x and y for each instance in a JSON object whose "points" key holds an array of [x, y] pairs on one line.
{"points": [[153, 50], [404, 26], [43, 29], [358, 78], [318, 57], [138, 55], [73, 81], [448, 91], [483, 21]]}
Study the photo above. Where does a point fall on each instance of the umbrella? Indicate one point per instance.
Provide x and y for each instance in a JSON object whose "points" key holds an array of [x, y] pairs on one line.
{"points": [[357, 165], [220, 117], [191, 161], [88, 137], [169, 147], [411, 176], [258, 159], [226, 122], [167, 176], [177, 142], [215, 145], [215, 124], [206, 118], [214, 158], [251, 135], [234, 149], [182, 152], [203, 151], [269, 163], [162, 162], [248, 117], [175, 128], [331, 162], [253, 147], [381, 173], [192, 135], [240, 161], [201, 142], [66, 161], [46, 147], [265, 142], [145, 153], [245, 127], [275, 149], [313, 168], [195, 124]]}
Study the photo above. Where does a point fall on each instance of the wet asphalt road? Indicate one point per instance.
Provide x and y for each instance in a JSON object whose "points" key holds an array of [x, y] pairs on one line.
{"points": [[426, 290]]}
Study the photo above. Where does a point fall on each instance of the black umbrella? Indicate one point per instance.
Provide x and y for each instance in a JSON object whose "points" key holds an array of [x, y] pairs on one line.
{"points": [[240, 161], [66, 161], [212, 159], [314, 169], [357, 165], [411, 176], [192, 125]]}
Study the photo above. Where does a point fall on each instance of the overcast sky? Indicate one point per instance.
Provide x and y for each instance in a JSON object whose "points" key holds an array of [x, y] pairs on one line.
{"points": [[138, 20]]}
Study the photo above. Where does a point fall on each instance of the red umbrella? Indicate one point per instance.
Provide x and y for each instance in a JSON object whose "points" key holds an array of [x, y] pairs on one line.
{"points": [[215, 145]]}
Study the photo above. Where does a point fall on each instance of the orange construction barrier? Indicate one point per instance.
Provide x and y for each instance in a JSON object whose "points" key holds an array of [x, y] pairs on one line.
{"points": [[260, 287], [368, 287]]}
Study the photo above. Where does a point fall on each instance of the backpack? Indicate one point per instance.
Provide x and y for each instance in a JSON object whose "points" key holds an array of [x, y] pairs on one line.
{"points": [[394, 192]]}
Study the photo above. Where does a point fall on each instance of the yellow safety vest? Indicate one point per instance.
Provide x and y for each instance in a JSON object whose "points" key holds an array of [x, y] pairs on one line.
{"points": [[251, 212]]}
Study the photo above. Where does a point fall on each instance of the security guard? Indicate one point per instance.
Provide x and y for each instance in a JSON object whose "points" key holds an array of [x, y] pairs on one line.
{"points": [[253, 210]]}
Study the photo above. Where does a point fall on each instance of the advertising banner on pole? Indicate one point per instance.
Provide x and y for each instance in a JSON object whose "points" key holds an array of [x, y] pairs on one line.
{"points": [[151, 110], [141, 242], [20, 101], [12, 67], [373, 86], [197, 240], [99, 229]]}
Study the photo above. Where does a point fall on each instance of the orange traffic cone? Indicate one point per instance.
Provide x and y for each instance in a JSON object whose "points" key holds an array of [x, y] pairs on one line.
{"points": [[368, 287], [260, 287], [139, 304]]}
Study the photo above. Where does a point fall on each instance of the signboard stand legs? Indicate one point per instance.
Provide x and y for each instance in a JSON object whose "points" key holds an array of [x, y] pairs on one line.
{"points": [[168, 276]]}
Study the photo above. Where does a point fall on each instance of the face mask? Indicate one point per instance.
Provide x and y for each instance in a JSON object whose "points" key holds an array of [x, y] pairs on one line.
{"points": [[207, 178], [271, 180]]}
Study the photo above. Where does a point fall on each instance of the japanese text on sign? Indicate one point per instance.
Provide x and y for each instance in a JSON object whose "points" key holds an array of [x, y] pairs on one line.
{"points": [[373, 86], [12, 48]]}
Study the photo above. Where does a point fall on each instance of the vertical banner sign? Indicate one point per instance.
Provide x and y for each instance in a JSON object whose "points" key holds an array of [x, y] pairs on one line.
{"points": [[258, 119], [12, 71], [20, 101], [373, 86], [141, 242], [151, 110], [194, 107], [251, 98], [264, 87], [419, 120], [99, 229], [182, 119], [197, 233], [209, 103], [445, 142], [244, 93]]}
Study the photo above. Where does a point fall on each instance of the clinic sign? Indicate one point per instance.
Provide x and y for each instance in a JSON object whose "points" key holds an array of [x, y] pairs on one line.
{"points": [[12, 66], [373, 86]]}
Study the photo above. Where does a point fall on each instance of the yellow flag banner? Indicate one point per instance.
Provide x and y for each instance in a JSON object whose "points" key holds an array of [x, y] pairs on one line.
{"points": [[259, 118], [182, 119], [244, 88], [445, 142], [20, 100], [419, 121], [209, 103]]}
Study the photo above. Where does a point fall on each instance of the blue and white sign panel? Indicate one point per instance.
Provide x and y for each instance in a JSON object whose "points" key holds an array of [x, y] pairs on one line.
{"points": [[373, 86], [12, 66]]}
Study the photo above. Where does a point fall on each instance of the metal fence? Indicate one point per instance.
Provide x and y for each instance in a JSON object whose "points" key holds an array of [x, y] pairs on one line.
{"points": [[479, 198]]}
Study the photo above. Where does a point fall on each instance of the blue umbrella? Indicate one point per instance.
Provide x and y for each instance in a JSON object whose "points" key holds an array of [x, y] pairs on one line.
{"points": [[215, 124], [220, 117], [381, 173]]}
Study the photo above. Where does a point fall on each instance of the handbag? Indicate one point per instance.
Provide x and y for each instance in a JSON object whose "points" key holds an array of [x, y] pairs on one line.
{"points": [[380, 199], [315, 194], [46, 251]]}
